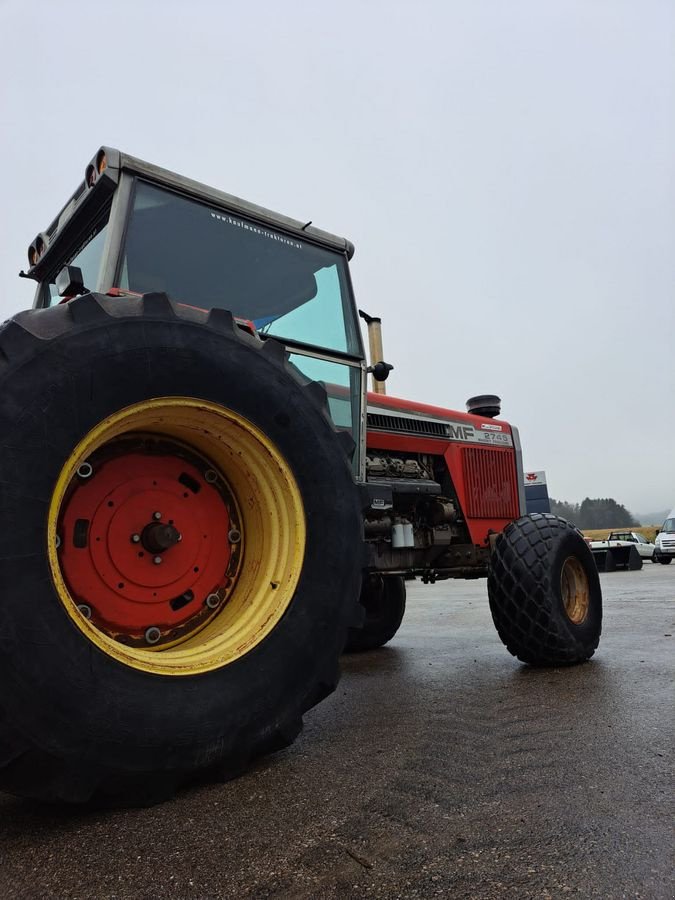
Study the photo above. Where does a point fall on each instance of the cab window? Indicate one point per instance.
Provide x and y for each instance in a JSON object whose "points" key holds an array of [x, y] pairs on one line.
{"points": [[88, 259]]}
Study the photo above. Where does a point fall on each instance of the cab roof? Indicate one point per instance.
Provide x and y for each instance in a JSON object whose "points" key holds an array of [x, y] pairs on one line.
{"points": [[79, 215]]}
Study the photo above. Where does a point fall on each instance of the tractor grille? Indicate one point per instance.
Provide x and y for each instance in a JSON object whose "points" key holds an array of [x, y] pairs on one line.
{"points": [[490, 482], [383, 422]]}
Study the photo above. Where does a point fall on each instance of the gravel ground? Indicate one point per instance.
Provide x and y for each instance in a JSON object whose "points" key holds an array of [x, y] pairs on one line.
{"points": [[440, 767]]}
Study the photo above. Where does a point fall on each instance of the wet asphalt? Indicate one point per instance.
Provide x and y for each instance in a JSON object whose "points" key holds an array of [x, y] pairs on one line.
{"points": [[441, 767]]}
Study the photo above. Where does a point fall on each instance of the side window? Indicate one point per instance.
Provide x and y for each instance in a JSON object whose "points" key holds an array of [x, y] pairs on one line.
{"points": [[343, 387], [342, 384], [88, 259]]}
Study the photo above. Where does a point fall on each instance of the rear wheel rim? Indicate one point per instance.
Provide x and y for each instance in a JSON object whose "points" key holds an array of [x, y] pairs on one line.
{"points": [[575, 590], [191, 536]]}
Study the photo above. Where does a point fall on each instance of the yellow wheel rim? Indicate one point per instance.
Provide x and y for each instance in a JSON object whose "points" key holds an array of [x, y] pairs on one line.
{"points": [[272, 521], [575, 590]]}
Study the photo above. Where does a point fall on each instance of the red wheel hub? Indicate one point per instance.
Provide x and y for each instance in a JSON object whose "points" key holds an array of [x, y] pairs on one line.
{"points": [[149, 544]]}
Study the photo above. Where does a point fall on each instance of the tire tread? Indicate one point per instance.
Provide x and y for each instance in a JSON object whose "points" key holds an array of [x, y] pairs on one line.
{"points": [[520, 591]]}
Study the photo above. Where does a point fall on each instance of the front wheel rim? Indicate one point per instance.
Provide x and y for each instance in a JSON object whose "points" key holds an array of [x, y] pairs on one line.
{"points": [[575, 590], [254, 511]]}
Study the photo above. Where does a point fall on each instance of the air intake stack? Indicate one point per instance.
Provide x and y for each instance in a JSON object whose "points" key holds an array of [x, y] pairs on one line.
{"points": [[489, 405]]}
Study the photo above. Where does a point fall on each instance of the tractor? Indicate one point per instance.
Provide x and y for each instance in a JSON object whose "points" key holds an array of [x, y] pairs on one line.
{"points": [[203, 506]]}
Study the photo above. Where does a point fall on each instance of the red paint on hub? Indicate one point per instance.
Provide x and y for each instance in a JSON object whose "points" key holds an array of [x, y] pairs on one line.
{"points": [[118, 578]]}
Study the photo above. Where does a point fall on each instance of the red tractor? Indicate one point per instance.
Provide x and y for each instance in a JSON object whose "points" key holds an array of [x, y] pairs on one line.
{"points": [[203, 506]]}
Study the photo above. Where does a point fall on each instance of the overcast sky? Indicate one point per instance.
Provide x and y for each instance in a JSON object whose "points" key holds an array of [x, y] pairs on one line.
{"points": [[505, 169]]}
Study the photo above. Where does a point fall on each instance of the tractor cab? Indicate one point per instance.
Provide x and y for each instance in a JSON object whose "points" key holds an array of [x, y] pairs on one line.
{"points": [[131, 227]]}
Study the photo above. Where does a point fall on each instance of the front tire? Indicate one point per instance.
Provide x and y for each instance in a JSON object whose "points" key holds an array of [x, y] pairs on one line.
{"points": [[383, 600], [123, 688], [544, 592], [665, 560]]}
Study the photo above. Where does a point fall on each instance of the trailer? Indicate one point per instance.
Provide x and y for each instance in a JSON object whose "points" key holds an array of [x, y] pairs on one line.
{"points": [[612, 555]]}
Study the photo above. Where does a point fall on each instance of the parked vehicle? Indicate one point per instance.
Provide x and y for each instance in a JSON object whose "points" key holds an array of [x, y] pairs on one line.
{"points": [[644, 547], [665, 540], [614, 554]]}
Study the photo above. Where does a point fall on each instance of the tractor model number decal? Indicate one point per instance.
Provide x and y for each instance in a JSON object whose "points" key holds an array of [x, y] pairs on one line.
{"points": [[469, 434], [493, 437]]}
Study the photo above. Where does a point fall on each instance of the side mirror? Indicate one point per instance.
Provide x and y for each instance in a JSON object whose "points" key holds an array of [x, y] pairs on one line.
{"points": [[69, 282], [380, 371]]}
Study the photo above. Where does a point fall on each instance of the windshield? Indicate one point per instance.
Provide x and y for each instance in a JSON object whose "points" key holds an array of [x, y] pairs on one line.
{"points": [[205, 257], [669, 525]]}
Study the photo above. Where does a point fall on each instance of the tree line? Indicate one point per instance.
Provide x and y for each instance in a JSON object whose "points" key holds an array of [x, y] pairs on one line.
{"points": [[601, 512]]}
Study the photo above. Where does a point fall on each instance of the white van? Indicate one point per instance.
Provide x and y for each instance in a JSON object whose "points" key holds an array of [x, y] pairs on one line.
{"points": [[665, 540]]}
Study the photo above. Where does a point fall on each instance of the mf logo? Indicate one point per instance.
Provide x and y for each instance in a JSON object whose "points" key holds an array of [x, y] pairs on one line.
{"points": [[460, 432]]}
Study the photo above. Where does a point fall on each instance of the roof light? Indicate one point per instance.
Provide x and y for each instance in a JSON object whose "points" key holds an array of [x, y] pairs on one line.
{"points": [[101, 161], [36, 250]]}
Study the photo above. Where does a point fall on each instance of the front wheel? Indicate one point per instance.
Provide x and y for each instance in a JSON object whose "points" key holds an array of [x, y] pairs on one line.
{"points": [[665, 560], [383, 598], [544, 592]]}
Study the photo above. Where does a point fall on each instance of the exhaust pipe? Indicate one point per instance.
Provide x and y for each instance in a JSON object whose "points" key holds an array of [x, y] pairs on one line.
{"points": [[378, 368]]}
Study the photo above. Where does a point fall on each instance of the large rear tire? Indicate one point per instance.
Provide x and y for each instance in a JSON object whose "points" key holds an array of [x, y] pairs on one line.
{"points": [[181, 551], [544, 592], [383, 599]]}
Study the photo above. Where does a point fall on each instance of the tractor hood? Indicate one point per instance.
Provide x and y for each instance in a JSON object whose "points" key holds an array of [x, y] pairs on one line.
{"points": [[393, 414]]}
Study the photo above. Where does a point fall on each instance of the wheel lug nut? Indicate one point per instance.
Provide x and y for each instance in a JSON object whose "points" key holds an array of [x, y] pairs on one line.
{"points": [[85, 470], [136, 538], [157, 515], [212, 601], [152, 634], [57, 541], [85, 610], [234, 536], [210, 476], [157, 560]]}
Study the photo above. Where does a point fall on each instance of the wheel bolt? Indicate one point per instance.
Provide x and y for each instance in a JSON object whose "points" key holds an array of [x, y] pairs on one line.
{"points": [[212, 601], [152, 635], [57, 541], [157, 560], [85, 470], [85, 610], [234, 536], [136, 538], [157, 515], [210, 476]]}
